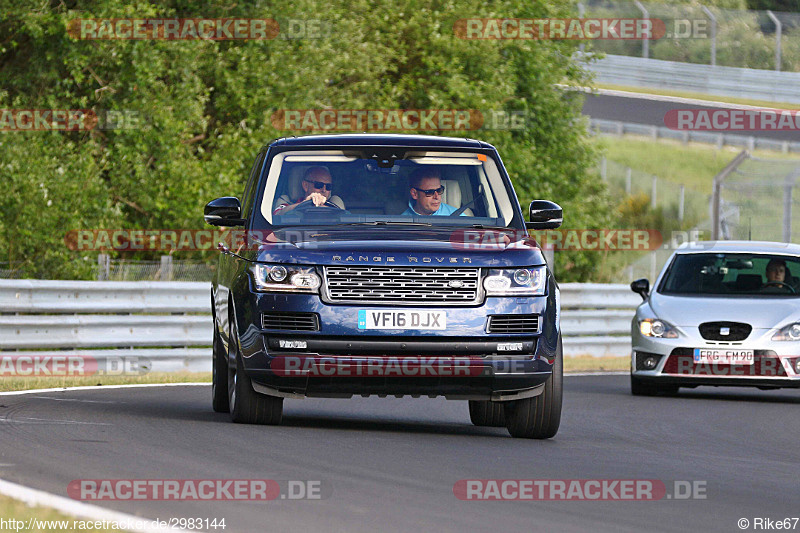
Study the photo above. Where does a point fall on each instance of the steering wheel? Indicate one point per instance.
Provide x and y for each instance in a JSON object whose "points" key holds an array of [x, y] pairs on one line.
{"points": [[306, 204], [780, 284]]}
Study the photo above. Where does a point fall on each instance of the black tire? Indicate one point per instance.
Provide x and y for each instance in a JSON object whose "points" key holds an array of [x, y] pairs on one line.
{"points": [[219, 376], [485, 413], [539, 417], [643, 388], [246, 405]]}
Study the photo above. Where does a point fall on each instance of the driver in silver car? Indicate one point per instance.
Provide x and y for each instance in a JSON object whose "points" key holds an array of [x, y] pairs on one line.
{"points": [[317, 184], [778, 276]]}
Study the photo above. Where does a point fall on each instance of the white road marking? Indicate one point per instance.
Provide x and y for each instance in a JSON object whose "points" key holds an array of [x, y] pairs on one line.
{"points": [[102, 387], [30, 420], [34, 497]]}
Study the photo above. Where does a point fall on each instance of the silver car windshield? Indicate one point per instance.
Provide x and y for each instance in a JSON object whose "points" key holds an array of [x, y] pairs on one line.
{"points": [[733, 274], [424, 187]]}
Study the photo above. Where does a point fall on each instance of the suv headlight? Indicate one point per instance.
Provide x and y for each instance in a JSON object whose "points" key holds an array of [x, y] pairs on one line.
{"points": [[653, 327], [285, 278], [788, 333], [516, 281]]}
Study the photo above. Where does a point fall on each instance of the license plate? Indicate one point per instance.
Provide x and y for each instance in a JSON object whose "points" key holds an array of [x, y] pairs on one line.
{"points": [[419, 320], [724, 357]]}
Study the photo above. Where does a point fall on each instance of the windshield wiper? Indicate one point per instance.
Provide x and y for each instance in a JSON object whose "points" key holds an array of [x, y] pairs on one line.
{"points": [[384, 223]]}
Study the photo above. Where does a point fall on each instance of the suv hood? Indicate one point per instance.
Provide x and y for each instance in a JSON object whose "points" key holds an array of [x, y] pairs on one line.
{"points": [[398, 245]]}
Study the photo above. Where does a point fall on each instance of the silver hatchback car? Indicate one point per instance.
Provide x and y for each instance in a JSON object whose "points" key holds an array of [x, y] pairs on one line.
{"points": [[720, 313]]}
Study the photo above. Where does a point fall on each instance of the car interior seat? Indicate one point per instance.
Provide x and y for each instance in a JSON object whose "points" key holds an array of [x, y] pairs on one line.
{"points": [[452, 196]]}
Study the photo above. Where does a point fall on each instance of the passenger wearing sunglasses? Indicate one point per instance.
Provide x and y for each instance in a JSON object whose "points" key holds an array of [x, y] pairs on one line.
{"points": [[317, 184], [426, 191]]}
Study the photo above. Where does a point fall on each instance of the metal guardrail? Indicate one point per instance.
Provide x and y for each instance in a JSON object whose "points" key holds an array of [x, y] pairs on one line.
{"points": [[164, 324], [596, 318], [168, 323], [749, 142], [735, 82]]}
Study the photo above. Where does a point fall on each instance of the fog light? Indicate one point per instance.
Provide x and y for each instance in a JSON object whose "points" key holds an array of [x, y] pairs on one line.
{"points": [[797, 365], [649, 362]]}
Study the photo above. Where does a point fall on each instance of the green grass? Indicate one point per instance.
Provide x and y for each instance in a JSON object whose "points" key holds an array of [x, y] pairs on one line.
{"points": [[699, 96], [17, 510], [49, 382], [693, 165], [588, 363]]}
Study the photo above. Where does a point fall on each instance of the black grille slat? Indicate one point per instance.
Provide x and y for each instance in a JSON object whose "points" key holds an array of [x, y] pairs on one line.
{"points": [[738, 331], [513, 324], [290, 321], [382, 284]]}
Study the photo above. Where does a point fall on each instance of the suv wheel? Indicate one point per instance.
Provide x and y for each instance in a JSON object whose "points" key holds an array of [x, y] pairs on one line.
{"points": [[540, 416], [246, 405], [484, 413], [219, 376]]}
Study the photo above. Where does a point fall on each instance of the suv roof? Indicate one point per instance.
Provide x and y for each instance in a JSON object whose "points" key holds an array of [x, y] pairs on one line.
{"points": [[382, 139]]}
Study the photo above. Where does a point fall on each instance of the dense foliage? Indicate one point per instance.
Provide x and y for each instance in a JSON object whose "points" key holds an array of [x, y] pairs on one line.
{"points": [[204, 109]]}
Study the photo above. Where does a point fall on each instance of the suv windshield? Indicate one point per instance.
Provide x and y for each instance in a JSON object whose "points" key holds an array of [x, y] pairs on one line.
{"points": [[423, 187], [732, 274]]}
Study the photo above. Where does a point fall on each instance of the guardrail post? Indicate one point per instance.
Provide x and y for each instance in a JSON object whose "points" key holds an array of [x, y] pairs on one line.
{"points": [[653, 192], [788, 186], [103, 267], [681, 203], [628, 175], [166, 268], [645, 42], [778, 32], [711, 16], [717, 188]]}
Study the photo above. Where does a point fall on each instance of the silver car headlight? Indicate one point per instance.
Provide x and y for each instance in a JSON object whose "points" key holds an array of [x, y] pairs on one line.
{"points": [[788, 333], [285, 278], [653, 327], [516, 281]]}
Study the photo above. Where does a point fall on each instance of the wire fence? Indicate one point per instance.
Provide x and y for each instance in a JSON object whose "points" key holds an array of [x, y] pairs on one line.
{"points": [[696, 33], [107, 269], [759, 200], [749, 142]]}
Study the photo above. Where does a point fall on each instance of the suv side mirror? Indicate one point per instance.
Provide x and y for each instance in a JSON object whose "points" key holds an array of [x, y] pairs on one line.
{"points": [[544, 214], [225, 211], [641, 287]]}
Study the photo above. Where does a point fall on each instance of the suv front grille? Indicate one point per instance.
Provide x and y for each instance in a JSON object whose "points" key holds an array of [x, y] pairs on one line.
{"points": [[417, 285], [290, 321], [513, 324], [737, 331]]}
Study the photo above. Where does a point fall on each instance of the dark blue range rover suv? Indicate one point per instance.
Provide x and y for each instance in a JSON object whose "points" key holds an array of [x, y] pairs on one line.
{"points": [[385, 265]]}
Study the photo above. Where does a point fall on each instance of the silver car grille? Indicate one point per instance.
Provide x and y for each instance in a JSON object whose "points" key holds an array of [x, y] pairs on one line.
{"points": [[408, 285]]}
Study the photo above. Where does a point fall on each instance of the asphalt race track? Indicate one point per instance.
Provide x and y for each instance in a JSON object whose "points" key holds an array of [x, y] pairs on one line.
{"points": [[651, 112], [390, 464]]}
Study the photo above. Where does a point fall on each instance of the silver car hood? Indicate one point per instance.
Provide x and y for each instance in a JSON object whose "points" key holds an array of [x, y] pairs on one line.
{"points": [[761, 313]]}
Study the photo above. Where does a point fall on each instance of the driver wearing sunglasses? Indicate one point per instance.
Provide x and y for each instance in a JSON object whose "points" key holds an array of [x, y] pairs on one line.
{"points": [[317, 184], [426, 191]]}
